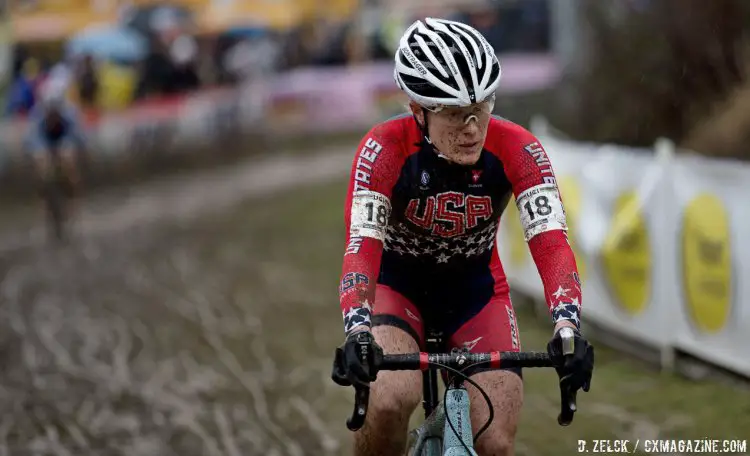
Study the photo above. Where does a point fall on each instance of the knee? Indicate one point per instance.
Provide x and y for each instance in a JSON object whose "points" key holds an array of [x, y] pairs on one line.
{"points": [[497, 444], [506, 393], [394, 396]]}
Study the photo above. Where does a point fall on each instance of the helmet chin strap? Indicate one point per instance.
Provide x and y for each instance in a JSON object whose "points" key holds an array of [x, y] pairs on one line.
{"points": [[426, 135], [423, 127]]}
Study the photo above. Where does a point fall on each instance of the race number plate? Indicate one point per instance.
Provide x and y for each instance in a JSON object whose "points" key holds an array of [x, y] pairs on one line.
{"points": [[370, 213], [541, 210]]}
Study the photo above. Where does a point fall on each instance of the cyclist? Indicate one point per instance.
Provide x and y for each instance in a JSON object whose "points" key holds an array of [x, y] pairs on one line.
{"points": [[426, 193], [55, 128]]}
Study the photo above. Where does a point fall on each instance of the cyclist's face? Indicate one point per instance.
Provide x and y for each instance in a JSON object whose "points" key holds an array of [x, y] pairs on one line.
{"points": [[459, 133]]}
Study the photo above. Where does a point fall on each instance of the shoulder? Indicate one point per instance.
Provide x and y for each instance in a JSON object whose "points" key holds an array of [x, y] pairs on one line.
{"points": [[394, 136], [398, 127], [382, 153], [505, 137], [503, 130]]}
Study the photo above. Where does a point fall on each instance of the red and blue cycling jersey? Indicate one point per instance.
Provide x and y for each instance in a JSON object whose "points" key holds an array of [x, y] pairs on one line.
{"points": [[426, 229]]}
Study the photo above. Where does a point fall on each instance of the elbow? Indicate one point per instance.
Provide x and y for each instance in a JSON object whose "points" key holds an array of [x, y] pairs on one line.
{"points": [[549, 242]]}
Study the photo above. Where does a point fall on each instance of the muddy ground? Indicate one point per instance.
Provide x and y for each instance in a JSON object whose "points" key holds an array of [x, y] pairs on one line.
{"points": [[197, 315]]}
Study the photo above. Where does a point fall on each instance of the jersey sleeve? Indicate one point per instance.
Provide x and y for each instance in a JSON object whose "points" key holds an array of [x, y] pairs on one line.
{"points": [[374, 172], [543, 221]]}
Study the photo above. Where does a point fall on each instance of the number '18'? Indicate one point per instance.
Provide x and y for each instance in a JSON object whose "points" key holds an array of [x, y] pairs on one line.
{"points": [[541, 208], [381, 215]]}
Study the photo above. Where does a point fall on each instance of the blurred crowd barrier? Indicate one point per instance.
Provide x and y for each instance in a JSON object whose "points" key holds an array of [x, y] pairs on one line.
{"points": [[663, 249], [116, 53], [300, 102]]}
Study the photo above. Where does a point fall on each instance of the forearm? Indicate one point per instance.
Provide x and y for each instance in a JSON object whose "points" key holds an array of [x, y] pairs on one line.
{"points": [[358, 279], [556, 264]]}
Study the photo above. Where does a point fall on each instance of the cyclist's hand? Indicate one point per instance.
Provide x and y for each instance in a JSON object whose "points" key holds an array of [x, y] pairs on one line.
{"points": [[574, 363], [355, 360]]}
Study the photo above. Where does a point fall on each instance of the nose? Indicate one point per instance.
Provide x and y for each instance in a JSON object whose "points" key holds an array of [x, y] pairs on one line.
{"points": [[471, 117], [471, 125]]}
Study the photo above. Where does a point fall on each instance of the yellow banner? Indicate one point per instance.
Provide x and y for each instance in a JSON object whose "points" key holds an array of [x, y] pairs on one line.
{"points": [[56, 20], [56, 27]]}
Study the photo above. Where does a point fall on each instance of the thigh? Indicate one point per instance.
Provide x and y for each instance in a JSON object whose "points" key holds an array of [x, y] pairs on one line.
{"points": [[395, 392], [393, 309], [493, 328], [397, 329]]}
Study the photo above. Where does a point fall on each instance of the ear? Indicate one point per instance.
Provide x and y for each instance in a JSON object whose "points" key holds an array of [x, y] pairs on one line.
{"points": [[417, 111]]}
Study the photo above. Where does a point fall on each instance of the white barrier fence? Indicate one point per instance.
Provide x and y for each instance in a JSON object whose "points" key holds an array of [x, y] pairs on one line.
{"points": [[662, 243]]}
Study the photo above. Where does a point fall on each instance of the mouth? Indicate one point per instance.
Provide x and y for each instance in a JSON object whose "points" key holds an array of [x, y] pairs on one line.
{"points": [[467, 147]]}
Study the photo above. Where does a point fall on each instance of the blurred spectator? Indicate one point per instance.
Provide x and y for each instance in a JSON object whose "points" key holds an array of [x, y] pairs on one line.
{"points": [[183, 53], [339, 44], [61, 75], [41, 74], [515, 27], [155, 70], [241, 58], [177, 61], [87, 82], [303, 43], [536, 21], [486, 20], [336, 46], [21, 96]]}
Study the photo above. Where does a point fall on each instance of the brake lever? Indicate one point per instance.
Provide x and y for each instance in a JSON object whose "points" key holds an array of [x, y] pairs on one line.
{"points": [[361, 399], [567, 408], [567, 399]]}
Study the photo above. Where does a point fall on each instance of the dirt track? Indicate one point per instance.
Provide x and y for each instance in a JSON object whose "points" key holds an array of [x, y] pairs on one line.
{"points": [[180, 198], [184, 320], [127, 341]]}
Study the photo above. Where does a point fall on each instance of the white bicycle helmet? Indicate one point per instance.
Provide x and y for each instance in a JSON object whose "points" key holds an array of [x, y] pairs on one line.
{"points": [[446, 63]]}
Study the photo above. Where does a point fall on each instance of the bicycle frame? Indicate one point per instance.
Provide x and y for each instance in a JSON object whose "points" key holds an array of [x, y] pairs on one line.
{"points": [[435, 436]]}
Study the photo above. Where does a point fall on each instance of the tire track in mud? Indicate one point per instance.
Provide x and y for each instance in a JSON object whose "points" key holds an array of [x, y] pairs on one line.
{"points": [[180, 198], [134, 341]]}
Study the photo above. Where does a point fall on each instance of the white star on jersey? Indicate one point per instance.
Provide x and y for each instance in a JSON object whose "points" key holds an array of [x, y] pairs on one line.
{"points": [[573, 316], [402, 241], [560, 292]]}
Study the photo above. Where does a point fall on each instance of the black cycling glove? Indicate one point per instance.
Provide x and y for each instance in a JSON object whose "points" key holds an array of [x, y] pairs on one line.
{"points": [[575, 369], [355, 360]]}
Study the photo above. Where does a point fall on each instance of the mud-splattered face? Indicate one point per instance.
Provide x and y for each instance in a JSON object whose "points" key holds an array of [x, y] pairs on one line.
{"points": [[458, 133]]}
